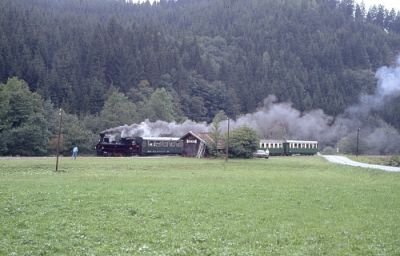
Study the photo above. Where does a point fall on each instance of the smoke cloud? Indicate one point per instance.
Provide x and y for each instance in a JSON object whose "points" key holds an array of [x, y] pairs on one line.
{"points": [[158, 128], [279, 120]]}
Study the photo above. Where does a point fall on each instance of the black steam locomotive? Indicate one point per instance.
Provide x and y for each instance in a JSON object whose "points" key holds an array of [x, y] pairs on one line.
{"points": [[142, 146]]}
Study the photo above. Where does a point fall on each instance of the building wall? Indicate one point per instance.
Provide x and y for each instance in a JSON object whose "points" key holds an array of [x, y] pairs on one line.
{"points": [[190, 145]]}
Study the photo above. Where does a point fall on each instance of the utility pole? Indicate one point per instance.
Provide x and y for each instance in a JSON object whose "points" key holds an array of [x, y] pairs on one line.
{"points": [[58, 138], [358, 139], [227, 145]]}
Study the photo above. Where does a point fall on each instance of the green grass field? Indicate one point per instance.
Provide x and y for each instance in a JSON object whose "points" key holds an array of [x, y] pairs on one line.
{"points": [[178, 206], [381, 160]]}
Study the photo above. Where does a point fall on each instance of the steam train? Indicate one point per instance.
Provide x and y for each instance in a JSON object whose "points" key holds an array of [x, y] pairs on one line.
{"points": [[145, 146], [142, 146], [289, 147]]}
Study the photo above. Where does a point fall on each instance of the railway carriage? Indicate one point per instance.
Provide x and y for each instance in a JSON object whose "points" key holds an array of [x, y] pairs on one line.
{"points": [[159, 146], [289, 147], [275, 147], [300, 147]]}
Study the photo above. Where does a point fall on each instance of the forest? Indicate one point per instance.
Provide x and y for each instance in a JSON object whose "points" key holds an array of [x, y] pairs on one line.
{"points": [[107, 63]]}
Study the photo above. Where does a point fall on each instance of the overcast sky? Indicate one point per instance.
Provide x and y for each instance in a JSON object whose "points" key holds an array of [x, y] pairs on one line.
{"points": [[389, 4]]}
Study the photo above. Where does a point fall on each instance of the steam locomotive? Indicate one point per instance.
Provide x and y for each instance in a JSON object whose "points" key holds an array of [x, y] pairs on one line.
{"points": [[142, 146]]}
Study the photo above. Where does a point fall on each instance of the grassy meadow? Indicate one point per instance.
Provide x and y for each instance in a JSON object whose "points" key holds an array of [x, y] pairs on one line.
{"points": [[381, 160], [182, 206]]}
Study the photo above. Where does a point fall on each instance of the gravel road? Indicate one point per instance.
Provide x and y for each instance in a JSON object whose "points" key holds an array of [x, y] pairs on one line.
{"points": [[344, 160]]}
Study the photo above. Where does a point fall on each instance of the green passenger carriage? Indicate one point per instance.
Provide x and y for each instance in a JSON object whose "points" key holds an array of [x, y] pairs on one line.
{"points": [[289, 147], [159, 145], [275, 147], [300, 147]]}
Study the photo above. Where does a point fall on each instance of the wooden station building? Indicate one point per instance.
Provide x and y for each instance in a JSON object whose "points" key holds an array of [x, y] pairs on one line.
{"points": [[198, 144]]}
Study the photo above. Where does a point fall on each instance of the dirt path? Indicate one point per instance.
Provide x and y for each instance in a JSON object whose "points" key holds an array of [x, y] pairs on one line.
{"points": [[344, 160]]}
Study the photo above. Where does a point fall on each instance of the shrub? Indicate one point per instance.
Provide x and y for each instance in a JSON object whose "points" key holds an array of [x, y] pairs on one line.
{"points": [[394, 161]]}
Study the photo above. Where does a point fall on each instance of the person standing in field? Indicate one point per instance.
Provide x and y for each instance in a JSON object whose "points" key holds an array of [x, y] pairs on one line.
{"points": [[74, 152]]}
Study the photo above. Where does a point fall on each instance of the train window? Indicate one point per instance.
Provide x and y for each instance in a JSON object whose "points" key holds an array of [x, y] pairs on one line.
{"points": [[151, 144], [172, 144], [157, 143], [179, 144], [165, 143]]}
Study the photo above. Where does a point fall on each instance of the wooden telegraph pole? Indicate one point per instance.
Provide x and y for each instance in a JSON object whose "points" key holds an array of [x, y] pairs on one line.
{"points": [[227, 145], [58, 138], [358, 139]]}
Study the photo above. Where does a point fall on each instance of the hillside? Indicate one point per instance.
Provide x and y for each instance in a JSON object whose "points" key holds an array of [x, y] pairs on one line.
{"points": [[198, 56]]}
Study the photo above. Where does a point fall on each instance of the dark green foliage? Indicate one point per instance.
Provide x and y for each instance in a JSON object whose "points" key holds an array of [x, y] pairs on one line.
{"points": [[208, 55], [243, 142], [160, 106], [23, 129], [118, 110], [29, 125], [75, 134]]}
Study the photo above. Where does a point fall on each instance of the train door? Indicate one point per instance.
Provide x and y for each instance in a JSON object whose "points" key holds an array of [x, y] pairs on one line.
{"points": [[286, 149]]}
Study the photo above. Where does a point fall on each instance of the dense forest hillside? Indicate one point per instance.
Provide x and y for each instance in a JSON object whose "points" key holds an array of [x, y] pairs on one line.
{"points": [[189, 59]]}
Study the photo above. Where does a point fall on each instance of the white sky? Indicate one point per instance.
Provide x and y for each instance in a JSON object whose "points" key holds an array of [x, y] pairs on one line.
{"points": [[389, 4]]}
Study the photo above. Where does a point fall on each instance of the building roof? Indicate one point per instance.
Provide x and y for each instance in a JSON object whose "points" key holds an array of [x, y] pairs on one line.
{"points": [[302, 141], [288, 141], [205, 137], [271, 141], [161, 138]]}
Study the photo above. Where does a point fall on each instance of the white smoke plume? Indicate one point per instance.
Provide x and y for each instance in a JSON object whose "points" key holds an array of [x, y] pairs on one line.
{"points": [[281, 121], [158, 128]]}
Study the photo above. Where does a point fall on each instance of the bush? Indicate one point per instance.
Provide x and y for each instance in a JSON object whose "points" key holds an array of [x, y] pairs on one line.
{"points": [[394, 161], [328, 151], [243, 142]]}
